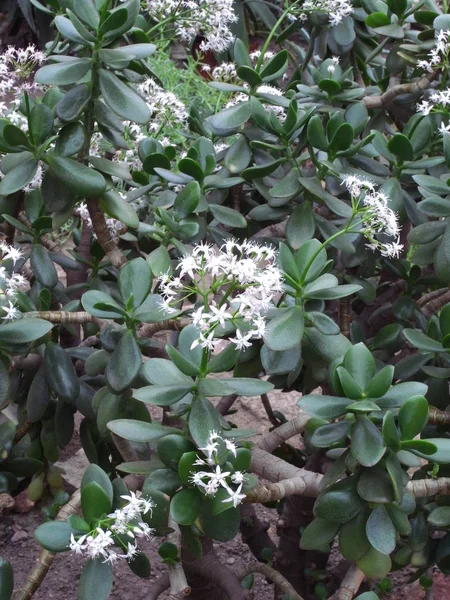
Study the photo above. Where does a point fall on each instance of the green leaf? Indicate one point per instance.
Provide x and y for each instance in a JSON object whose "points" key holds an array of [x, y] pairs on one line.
{"points": [[60, 372], [162, 395], [374, 485], [187, 200], [96, 580], [380, 383], [413, 417], [390, 434], [343, 138], [116, 206], [375, 564], [124, 363], [381, 531], [316, 134], [230, 118], [92, 298], [67, 72], [185, 506], [353, 541], [43, 267], [139, 431], [24, 331], [70, 140], [159, 261], [98, 475], [172, 447], [238, 156], [285, 331], [160, 370], [318, 534], [164, 480], [54, 536], [94, 501], [228, 216], [222, 527], [301, 225], [19, 177], [327, 435], [324, 407], [82, 180], [121, 99], [349, 385], [367, 443], [401, 147], [203, 419], [338, 504], [249, 75], [360, 364], [6, 579], [422, 341], [73, 103], [440, 517], [41, 122], [244, 386], [135, 279], [87, 12]]}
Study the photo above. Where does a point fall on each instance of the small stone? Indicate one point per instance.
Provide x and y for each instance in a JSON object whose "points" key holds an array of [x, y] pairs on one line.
{"points": [[22, 503], [19, 536], [231, 561], [6, 502]]}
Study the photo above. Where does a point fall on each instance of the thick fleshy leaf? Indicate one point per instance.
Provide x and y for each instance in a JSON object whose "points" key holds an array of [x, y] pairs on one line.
{"points": [[381, 531], [285, 331], [24, 331], [367, 442], [139, 431], [318, 534], [413, 416], [162, 395], [96, 580], [64, 73], [121, 99], [125, 362]]}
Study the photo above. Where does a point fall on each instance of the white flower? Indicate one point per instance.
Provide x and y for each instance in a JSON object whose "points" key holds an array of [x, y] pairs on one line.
{"points": [[241, 341], [11, 312], [231, 447], [235, 496], [11, 253], [237, 477], [219, 314], [77, 546]]}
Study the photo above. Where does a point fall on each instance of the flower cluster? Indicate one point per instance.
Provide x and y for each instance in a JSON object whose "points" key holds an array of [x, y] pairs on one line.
{"points": [[10, 283], [237, 284], [337, 10], [377, 218], [438, 102], [101, 541], [16, 66], [209, 482], [190, 18], [166, 109], [264, 92], [438, 57]]}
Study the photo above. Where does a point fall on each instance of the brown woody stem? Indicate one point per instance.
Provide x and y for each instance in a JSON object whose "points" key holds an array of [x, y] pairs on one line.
{"points": [[281, 434], [438, 417], [103, 234], [350, 584], [45, 239], [432, 307], [62, 317], [275, 577], [374, 102]]}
